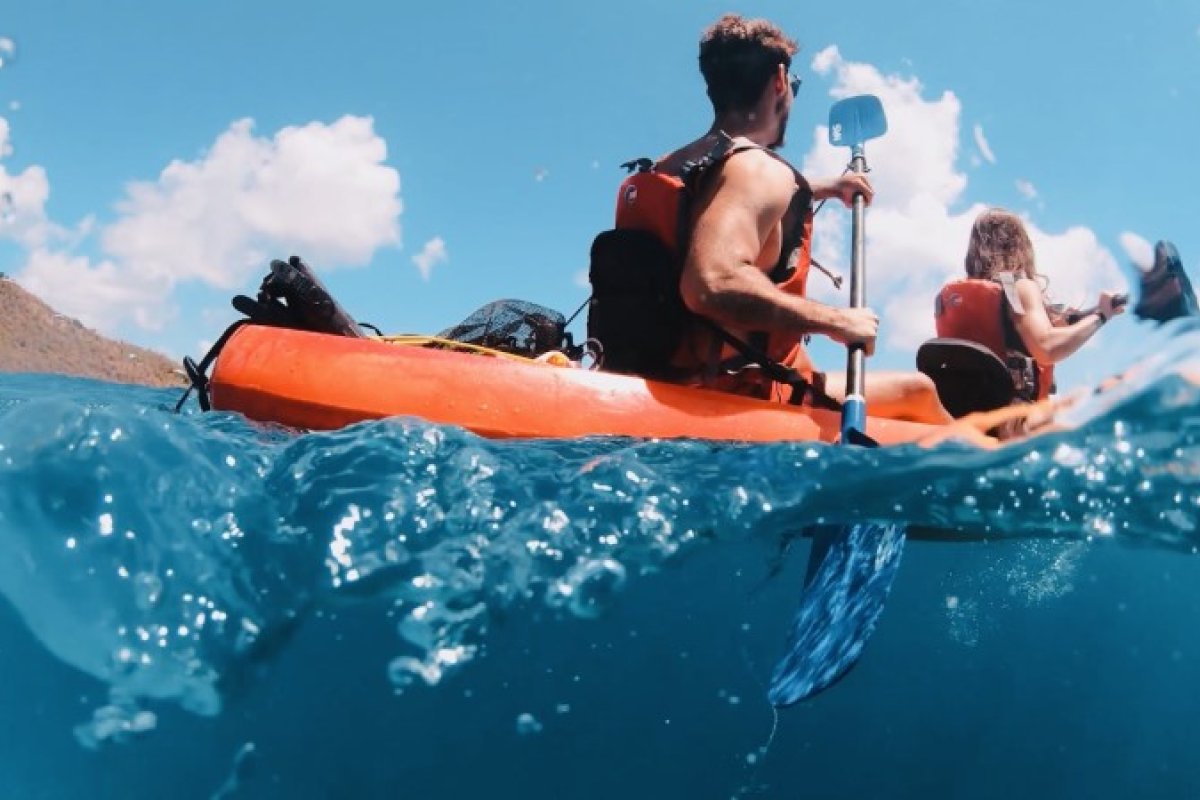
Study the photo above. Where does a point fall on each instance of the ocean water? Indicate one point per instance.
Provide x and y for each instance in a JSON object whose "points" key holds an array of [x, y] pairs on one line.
{"points": [[195, 606]]}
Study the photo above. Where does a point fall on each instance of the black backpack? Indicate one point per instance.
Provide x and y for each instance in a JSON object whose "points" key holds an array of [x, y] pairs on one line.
{"points": [[636, 312]]}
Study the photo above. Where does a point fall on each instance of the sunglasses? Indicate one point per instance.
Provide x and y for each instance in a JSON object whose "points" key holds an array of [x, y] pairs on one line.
{"points": [[795, 81]]}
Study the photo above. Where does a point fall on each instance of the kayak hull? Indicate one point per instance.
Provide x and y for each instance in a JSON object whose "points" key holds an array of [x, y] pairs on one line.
{"points": [[322, 382]]}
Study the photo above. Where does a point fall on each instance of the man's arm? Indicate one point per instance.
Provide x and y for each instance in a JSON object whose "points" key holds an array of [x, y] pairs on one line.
{"points": [[722, 280]]}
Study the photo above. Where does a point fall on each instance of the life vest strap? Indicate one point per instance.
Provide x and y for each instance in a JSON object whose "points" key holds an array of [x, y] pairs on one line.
{"points": [[802, 387], [1009, 284]]}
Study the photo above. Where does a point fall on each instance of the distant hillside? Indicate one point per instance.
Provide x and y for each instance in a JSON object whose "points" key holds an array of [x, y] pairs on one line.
{"points": [[35, 338]]}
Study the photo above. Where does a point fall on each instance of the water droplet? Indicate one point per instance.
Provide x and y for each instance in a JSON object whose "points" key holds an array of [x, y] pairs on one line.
{"points": [[8, 51], [8, 207]]}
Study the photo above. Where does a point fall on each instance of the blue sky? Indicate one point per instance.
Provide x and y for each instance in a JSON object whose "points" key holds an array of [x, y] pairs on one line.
{"points": [[428, 158]]}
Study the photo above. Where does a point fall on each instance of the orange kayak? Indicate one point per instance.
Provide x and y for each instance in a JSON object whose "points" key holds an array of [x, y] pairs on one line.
{"points": [[318, 381]]}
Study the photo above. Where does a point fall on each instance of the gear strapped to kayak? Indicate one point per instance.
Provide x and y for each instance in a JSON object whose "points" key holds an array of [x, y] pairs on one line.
{"points": [[292, 296], [519, 328], [636, 310]]}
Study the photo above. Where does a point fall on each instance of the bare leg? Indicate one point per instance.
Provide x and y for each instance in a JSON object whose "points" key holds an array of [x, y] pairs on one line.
{"points": [[896, 395]]}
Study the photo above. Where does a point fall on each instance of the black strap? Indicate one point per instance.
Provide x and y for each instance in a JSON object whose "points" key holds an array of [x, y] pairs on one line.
{"points": [[638, 165], [198, 373], [1021, 364], [801, 386]]}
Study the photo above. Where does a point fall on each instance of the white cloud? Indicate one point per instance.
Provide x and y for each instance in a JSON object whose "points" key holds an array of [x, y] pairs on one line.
{"points": [[918, 225], [321, 191], [1137, 249], [981, 142], [1075, 262], [826, 60], [1027, 189], [23, 199], [432, 254], [97, 294]]}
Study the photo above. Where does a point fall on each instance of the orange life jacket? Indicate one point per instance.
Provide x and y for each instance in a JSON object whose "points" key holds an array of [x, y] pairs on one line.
{"points": [[980, 311], [656, 202]]}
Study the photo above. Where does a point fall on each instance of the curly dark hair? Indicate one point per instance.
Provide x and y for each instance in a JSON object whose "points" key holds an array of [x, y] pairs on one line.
{"points": [[738, 56]]}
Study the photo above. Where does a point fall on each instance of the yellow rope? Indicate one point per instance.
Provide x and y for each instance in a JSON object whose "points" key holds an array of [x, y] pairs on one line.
{"points": [[418, 340]]}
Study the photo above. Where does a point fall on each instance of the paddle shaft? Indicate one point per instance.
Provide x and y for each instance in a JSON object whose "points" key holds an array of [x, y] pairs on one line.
{"points": [[854, 410]]}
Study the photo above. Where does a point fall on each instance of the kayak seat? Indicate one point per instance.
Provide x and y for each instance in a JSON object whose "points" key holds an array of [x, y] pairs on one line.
{"points": [[969, 377]]}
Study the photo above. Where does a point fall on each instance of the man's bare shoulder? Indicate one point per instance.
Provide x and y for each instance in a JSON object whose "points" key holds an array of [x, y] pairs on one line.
{"points": [[759, 168]]}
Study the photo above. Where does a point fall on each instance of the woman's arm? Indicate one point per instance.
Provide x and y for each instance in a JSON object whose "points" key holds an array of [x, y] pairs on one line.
{"points": [[1045, 342]]}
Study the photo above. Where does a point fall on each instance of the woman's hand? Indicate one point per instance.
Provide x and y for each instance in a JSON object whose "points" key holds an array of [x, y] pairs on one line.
{"points": [[1111, 304]]}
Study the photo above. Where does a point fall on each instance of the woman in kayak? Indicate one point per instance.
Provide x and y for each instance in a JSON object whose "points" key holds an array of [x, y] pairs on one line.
{"points": [[1002, 305]]}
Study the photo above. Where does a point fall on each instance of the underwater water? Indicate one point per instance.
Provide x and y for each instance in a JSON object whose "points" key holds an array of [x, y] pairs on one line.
{"points": [[195, 606]]}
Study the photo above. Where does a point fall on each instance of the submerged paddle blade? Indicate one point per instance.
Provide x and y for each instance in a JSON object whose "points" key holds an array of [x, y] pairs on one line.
{"points": [[841, 604], [855, 120]]}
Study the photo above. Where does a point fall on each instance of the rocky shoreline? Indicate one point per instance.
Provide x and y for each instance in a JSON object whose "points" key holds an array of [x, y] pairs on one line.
{"points": [[36, 338]]}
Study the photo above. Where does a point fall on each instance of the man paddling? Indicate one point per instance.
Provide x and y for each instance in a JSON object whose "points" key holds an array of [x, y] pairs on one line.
{"points": [[737, 219]]}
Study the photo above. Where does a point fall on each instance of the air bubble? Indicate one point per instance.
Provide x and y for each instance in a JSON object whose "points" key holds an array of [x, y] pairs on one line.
{"points": [[527, 724], [590, 586]]}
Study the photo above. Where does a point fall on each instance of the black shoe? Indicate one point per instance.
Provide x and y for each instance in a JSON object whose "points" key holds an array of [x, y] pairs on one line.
{"points": [[1166, 293]]}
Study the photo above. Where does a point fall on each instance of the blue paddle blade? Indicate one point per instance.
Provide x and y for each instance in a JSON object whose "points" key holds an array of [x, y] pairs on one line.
{"points": [[841, 604], [856, 120]]}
